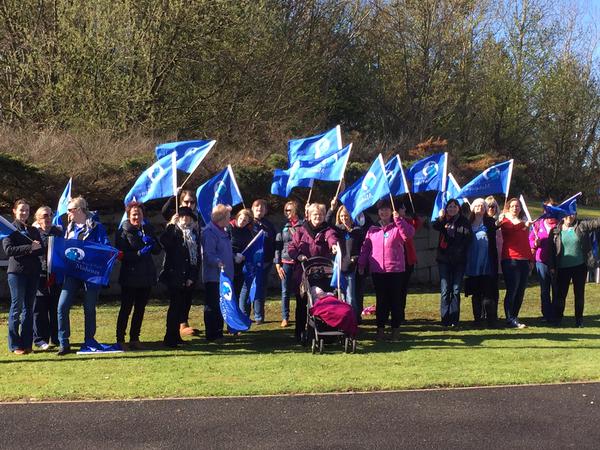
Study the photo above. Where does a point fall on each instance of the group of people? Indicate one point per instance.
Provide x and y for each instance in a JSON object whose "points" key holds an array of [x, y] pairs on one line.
{"points": [[472, 250]]}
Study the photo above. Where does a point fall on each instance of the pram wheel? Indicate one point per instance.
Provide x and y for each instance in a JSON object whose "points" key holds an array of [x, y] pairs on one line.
{"points": [[314, 346], [321, 346], [353, 345], [346, 345]]}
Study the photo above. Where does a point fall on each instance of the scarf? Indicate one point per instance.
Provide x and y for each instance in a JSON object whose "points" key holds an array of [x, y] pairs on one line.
{"points": [[189, 239]]}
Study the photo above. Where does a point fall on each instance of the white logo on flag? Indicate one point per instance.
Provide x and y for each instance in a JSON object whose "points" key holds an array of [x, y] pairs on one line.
{"points": [[75, 254], [156, 173], [322, 147], [369, 181]]}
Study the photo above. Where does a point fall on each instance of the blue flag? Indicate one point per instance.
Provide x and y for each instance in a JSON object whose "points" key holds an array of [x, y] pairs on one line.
{"points": [[315, 147], [157, 181], [235, 319], [429, 174], [253, 265], [222, 188], [63, 203], [329, 168], [337, 272], [6, 228], [189, 153], [493, 180], [88, 261], [452, 191], [566, 208], [396, 177], [366, 190], [279, 185]]}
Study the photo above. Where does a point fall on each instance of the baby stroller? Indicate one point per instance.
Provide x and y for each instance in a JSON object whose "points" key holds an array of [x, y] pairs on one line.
{"points": [[318, 271]]}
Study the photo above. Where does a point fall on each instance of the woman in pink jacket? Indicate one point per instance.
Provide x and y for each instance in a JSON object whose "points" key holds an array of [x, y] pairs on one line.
{"points": [[383, 253]]}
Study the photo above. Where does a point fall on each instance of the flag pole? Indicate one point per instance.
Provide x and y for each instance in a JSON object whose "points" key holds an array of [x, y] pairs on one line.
{"points": [[412, 205], [337, 192], [339, 270], [174, 170]]}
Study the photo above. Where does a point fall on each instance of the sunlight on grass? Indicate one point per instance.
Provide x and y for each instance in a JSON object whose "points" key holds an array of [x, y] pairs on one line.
{"points": [[267, 360]]}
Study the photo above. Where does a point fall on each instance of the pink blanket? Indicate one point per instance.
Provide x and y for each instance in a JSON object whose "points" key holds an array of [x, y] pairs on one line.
{"points": [[336, 314]]}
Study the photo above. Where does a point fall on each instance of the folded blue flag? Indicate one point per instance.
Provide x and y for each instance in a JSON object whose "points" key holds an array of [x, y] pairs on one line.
{"points": [[337, 273], [279, 185], [87, 261], [429, 174], [493, 180], [367, 190], [63, 203], [396, 176], [564, 209], [222, 188], [253, 265], [6, 228], [157, 181], [235, 319], [189, 153], [315, 147], [441, 199], [93, 347], [329, 168]]}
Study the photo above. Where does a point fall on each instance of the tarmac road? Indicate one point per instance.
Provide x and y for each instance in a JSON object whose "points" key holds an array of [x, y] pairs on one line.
{"points": [[526, 417]]}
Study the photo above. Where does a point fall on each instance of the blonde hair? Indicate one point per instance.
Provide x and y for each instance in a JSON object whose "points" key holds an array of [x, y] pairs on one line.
{"points": [[244, 212], [41, 210], [317, 207], [293, 205], [81, 203], [220, 212], [474, 203], [339, 213], [491, 201]]}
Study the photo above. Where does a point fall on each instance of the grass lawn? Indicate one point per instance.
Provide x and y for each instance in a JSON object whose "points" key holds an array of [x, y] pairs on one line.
{"points": [[267, 361]]}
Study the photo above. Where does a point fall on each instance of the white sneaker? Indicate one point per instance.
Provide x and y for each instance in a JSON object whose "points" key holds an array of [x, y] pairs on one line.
{"points": [[44, 346]]}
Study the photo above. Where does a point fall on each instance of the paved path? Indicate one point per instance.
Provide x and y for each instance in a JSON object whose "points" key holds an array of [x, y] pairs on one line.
{"points": [[527, 417]]}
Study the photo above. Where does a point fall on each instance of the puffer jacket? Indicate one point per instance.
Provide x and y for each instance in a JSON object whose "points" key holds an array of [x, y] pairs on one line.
{"points": [[283, 240], [383, 248]]}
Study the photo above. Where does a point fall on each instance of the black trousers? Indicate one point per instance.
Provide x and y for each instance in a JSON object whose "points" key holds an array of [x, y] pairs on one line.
{"points": [[388, 288], [301, 314], [45, 318], [404, 291], [213, 320], [178, 298], [185, 309], [135, 298], [564, 276], [484, 297]]}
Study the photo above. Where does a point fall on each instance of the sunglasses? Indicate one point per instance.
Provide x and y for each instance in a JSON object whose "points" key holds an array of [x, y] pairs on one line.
{"points": [[45, 216], [288, 210], [72, 209]]}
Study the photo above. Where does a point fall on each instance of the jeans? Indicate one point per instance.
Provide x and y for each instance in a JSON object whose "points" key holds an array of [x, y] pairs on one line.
{"points": [[136, 299], [350, 291], [387, 297], [45, 316], [259, 297], [20, 317], [70, 288], [548, 291], [213, 320], [287, 288], [516, 273], [564, 276], [451, 277]]}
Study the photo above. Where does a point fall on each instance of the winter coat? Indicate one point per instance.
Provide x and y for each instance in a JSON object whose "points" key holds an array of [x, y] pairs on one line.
{"points": [[270, 235], [216, 248], [310, 242], [45, 235], [177, 266], [240, 238], [92, 231], [21, 259], [583, 229], [350, 241], [283, 240], [383, 248], [453, 249], [137, 269]]}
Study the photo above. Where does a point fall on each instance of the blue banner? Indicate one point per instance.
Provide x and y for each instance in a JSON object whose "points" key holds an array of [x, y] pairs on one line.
{"points": [[366, 190], [222, 188], [88, 261], [428, 174], [315, 147], [329, 168], [235, 319], [6, 228], [566, 208], [157, 181], [63, 203], [452, 191], [396, 177], [280, 185], [253, 265], [189, 153], [493, 180]]}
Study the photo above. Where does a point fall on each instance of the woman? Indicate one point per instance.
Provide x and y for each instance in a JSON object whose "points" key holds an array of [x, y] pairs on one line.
{"points": [[517, 260], [482, 265], [383, 253], [539, 241], [45, 319], [181, 267], [350, 237], [283, 263], [240, 230], [455, 237], [493, 210], [187, 199], [23, 248], [217, 255], [138, 242], [410, 254], [314, 238], [80, 226], [571, 249]]}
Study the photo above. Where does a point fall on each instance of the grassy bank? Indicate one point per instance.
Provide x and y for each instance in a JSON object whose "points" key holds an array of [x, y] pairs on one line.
{"points": [[267, 361]]}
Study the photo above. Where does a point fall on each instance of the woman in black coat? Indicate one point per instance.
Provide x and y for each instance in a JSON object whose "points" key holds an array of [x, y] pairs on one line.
{"points": [[241, 231], [23, 248], [138, 242], [181, 241]]}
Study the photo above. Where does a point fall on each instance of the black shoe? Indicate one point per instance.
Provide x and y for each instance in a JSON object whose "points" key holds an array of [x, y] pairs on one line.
{"points": [[62, 351], [579, 323], [170, 344]]}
